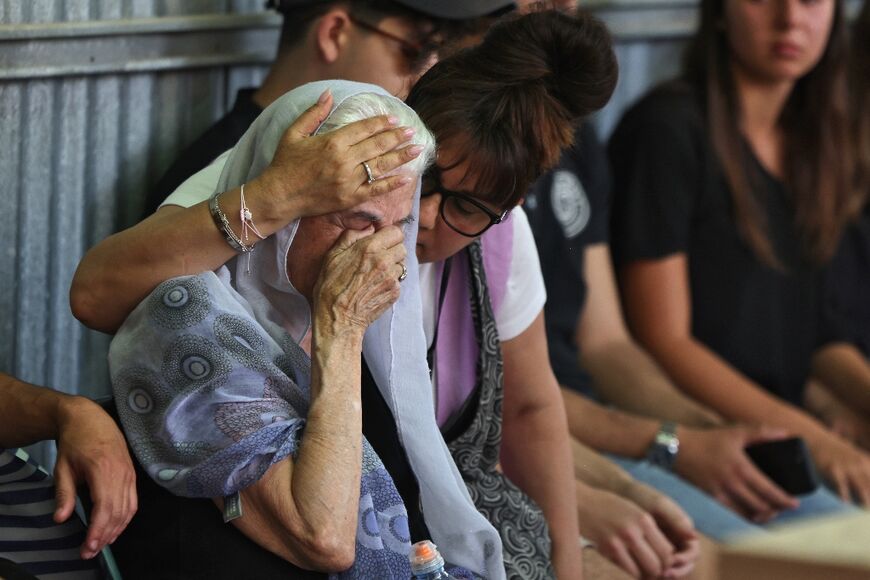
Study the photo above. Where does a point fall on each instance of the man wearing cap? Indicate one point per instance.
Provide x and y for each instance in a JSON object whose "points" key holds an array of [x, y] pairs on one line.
{"points": [[385, 42]]}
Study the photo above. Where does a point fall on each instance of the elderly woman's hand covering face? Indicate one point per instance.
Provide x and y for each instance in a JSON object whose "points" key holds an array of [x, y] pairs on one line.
{"points": [[214, 390]]}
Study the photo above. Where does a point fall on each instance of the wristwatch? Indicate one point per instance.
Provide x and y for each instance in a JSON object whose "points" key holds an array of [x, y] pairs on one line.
{"points": [[665, 446]]}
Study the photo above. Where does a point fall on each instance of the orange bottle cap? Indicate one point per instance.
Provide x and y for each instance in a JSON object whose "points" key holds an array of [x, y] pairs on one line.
{"points": [[424, 554]]}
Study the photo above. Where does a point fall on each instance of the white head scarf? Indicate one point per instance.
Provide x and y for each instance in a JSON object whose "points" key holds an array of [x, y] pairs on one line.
{"points": [[394, 346]]}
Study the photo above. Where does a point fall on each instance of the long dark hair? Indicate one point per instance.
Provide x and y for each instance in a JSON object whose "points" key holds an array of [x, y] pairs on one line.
{"points": [[861, 96], [512, 103], [818, 161]]}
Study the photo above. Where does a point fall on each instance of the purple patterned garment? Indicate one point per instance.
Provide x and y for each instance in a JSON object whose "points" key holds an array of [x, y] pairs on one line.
{"points": [[456, 351], [209, 401]]}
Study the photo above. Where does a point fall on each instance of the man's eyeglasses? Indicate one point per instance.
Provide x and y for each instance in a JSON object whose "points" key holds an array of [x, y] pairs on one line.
{"points": [[464, 214], [411, 50]]}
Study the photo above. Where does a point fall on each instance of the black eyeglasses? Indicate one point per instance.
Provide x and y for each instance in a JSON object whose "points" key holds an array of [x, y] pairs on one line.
{"points": [[464, 214], [412, 51]]}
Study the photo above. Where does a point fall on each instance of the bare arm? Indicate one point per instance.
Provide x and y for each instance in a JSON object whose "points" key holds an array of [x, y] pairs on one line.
{"points": [[713, 459], [119, 272], [28, 413], [90, 448], [846, 372], [624, 373], [305, 511], [593, 469], [633, 525], [308, 176], [658, 307], [535, 448], [606, 429]]}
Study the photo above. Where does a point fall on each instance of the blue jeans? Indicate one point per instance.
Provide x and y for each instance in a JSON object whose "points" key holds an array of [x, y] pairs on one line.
{"points": [[712, 518]]}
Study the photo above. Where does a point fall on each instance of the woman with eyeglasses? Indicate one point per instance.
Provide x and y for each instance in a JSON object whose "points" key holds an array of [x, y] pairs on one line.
{"points": [[502, 112], [497, 398]]}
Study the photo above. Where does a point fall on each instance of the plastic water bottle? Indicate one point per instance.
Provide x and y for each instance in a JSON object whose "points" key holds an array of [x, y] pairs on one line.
{"points": [[427, 563]]}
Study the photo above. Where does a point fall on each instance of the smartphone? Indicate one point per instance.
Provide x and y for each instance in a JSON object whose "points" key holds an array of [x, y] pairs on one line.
{"points": [[788, 463]]}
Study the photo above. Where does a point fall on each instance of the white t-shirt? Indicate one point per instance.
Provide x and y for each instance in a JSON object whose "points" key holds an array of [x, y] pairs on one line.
{"points": [[524, 296], [525, 293], [199, 186]]}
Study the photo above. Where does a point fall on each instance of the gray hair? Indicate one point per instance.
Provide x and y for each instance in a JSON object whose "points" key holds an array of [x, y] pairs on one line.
{"points": [[364, 105]]}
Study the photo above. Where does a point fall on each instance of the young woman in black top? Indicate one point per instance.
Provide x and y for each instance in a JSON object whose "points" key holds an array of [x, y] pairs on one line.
{"points": [[731, 188]]}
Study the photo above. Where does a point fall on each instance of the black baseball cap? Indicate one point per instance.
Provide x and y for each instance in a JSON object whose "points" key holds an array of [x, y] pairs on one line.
{"points": [[447, 9], [458, 9]]}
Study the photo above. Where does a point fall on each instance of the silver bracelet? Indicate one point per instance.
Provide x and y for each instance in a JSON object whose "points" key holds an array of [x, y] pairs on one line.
{"points": [[223, 224]]}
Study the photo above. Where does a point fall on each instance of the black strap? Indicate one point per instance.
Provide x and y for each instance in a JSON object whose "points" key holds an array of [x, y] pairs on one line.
{"points": [[445, 278], [461, 419]]}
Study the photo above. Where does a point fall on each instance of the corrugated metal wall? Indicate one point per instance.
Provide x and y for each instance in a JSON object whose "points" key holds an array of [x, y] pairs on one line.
{"points": [[81, 140], [96, 99]]}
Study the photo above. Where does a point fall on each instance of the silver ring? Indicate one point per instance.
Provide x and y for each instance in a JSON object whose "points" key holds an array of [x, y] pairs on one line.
{"points": [[369, 175], [404, 273]]}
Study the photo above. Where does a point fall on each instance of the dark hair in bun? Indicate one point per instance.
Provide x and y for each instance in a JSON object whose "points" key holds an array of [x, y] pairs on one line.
{"points": [[513, 102]]}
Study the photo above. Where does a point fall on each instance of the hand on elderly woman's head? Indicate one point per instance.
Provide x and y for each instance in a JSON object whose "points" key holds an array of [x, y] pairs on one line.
{"points": [[359, 279], [320, 174]]}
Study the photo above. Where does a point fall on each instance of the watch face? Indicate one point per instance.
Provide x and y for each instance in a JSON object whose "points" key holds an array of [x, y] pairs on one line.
{"points": [[663, 451]]}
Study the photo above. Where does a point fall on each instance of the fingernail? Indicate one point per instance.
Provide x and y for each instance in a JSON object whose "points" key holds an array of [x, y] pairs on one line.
{"points": [[405, 180], [324, 96], [92, 545], [415, 150], [409, 132], [393, 120]]}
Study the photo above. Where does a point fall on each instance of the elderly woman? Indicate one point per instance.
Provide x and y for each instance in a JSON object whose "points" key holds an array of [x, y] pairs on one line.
{"points": [[502, 113], [250, 379]]}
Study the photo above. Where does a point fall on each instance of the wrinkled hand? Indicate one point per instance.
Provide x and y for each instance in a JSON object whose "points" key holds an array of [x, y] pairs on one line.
{"points": [[91, 449], [324, 173], [845, 467], [673, 522], [624, 533], [359, 279], [715, 460]]}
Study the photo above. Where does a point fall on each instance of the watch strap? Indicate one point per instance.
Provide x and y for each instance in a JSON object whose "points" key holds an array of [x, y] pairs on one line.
{"points": [[665, 446]]}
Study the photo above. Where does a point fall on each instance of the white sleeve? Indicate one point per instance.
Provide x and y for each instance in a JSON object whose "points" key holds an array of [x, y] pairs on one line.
{"points": [[200, 186], [525, 294]]}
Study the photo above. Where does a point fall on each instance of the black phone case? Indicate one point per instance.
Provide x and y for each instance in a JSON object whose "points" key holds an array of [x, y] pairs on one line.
{"points": [[788, 463]]}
